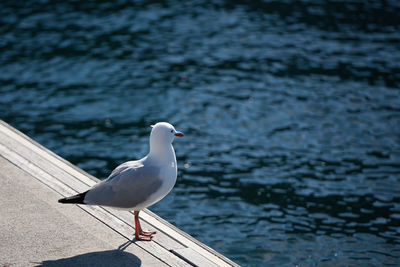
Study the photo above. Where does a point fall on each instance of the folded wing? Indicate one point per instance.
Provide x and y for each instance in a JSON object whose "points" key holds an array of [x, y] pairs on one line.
{"points": [[129, 185]]}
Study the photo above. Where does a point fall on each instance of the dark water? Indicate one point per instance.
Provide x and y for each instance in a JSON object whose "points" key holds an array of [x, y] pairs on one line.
{"points": [[291, 112]]}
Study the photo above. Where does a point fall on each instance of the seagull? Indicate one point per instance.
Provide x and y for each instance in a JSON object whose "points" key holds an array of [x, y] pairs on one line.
{"points": [[135, 185]]}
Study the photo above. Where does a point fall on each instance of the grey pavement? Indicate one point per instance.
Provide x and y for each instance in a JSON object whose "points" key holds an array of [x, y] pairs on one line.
{"points": [[37, 231]]}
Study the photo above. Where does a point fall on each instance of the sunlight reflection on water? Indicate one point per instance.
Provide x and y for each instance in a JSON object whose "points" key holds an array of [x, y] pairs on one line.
{"points": [[290, 113]]}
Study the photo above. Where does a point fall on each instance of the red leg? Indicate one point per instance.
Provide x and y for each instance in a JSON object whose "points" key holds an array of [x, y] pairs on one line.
{"points": [[139, 233]]}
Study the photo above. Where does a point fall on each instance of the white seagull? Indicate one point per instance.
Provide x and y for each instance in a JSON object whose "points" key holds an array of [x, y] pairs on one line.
{"points": [[135, 185]]}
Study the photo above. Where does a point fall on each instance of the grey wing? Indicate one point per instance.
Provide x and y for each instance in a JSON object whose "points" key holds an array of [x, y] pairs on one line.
{"points": [[123, 167], [127, 188]]}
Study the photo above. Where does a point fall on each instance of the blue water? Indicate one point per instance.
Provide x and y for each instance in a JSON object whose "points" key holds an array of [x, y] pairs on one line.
{"points": [[291, 111]]}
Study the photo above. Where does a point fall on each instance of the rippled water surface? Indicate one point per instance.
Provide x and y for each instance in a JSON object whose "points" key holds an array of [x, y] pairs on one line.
{"points": [[291, 111]]}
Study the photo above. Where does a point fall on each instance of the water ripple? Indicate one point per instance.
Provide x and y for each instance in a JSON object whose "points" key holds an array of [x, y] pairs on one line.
{"points": [[290, 110]]}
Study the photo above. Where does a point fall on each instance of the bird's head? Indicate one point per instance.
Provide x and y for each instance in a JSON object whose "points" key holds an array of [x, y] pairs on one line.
{"points": [[163, 132]]}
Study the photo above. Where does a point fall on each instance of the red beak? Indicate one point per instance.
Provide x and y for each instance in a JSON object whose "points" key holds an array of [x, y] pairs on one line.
{"points": [[179, 134]]}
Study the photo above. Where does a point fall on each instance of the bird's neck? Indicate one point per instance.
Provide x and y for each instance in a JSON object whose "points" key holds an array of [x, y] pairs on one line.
{"points": [[162, 153]]}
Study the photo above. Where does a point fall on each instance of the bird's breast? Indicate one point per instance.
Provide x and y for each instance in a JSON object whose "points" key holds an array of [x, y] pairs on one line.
{"points": [[168, 176]]}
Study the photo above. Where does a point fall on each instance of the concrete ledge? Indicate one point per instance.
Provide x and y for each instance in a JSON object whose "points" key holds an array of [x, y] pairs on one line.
{"points": [[36, 230]]}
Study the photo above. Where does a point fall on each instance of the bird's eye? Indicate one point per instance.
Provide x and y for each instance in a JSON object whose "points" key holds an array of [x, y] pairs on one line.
{"points": [[172, 131]]}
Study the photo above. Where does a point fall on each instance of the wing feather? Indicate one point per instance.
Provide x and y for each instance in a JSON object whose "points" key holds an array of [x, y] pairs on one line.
{"points": [[129, 185]]}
